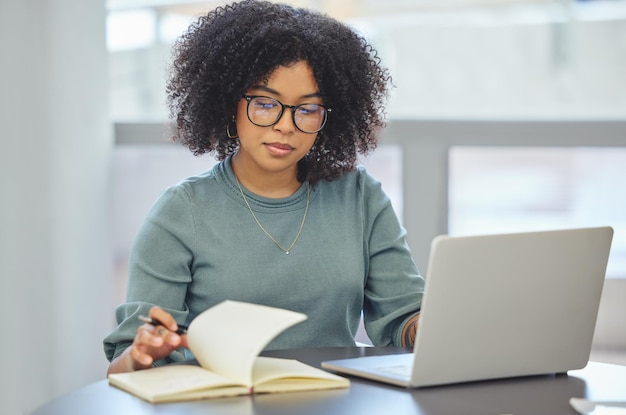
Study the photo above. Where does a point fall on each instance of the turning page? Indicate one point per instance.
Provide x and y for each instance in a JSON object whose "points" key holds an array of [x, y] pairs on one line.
{"points": [[228, 337]]}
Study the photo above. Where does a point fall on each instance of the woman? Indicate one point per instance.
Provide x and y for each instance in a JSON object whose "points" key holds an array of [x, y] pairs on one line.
{"points": [[286, 99]]}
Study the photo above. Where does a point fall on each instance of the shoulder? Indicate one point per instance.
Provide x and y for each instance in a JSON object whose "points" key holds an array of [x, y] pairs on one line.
{"points": [[358, 179], [193, 190], [196, 185], [357, 185]]}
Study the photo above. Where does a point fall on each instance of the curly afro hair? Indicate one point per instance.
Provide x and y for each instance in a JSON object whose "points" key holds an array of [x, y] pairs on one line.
{"points": [[234, 47]]}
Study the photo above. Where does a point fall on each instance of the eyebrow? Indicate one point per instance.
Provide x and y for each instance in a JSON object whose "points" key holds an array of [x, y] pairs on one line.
{"points": [[275, 92]]}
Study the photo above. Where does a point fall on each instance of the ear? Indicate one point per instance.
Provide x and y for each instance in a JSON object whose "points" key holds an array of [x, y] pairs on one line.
{"points": [[229, 132]]}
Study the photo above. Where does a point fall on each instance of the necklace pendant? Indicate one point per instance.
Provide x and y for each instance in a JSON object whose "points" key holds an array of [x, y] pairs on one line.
{"points": [[286, 252]]}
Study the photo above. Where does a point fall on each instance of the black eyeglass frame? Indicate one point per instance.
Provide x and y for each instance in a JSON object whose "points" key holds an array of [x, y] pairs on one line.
{"points": [[293, 108]]}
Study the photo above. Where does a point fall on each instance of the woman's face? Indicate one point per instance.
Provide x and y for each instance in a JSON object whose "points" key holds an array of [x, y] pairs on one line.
{"points": [[279, 147]]}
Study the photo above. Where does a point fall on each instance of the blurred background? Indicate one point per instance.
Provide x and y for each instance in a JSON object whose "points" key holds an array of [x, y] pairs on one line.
{"points": [[506, 115]]}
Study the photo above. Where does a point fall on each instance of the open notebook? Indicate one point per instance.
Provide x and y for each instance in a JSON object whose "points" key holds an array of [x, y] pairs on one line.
{"points": [[499, 306]]}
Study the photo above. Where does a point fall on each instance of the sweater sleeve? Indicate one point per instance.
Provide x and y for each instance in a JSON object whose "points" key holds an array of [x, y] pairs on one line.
{"points": [[393, 286], [160, 267]]}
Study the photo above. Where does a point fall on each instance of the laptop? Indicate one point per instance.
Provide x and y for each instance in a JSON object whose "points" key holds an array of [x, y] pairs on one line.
{"points": [[500, 306]]}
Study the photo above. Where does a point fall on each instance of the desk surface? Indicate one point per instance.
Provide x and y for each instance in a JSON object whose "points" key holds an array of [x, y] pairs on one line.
{"points": [[531, 395]]}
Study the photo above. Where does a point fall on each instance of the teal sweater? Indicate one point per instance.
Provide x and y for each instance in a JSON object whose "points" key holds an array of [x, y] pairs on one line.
{"points": [[200, 245]]}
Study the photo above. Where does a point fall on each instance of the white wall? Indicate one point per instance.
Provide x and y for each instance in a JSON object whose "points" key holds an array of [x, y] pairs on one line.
{"points": [[54, 251]]}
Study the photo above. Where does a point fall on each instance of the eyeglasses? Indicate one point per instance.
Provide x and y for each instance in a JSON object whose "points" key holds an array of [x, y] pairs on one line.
{"points": [[266, 111]]}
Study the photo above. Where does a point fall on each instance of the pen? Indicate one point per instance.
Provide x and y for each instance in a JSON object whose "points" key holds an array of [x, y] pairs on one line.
{"points": [[182, 329]]}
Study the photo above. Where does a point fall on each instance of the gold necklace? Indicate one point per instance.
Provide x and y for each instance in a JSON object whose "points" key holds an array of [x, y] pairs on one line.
{"points": [[306, 209]]}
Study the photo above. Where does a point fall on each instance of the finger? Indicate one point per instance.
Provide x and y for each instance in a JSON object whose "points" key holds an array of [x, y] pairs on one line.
{"points": [[148, 346], [143, 359], [164, 317], [150, 336], [183, 341], [158, 337], [171, 339]]}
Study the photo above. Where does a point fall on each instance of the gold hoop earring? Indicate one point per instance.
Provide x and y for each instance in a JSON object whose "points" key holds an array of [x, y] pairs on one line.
{"points": [[228, 133]]}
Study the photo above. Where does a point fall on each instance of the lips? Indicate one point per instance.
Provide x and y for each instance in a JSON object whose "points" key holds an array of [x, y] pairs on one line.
{"points": [[279, 149]]}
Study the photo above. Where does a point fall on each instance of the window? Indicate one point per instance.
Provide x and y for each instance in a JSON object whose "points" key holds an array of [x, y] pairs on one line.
{"points": [[510, 189], [448, 58]]}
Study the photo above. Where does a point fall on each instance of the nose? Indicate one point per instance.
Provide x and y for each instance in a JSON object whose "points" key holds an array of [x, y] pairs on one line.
{"points": [[285, 123]]}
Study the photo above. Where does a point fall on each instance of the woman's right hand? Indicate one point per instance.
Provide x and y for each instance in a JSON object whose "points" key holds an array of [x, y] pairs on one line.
{"points": [[151, 343]]}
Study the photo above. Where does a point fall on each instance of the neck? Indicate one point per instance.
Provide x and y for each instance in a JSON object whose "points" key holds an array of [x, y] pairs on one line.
{"points": [[267, 184]]}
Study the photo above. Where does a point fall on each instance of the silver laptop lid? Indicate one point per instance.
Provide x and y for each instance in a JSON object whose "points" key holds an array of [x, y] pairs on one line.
{"points": [[510, 305]]}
